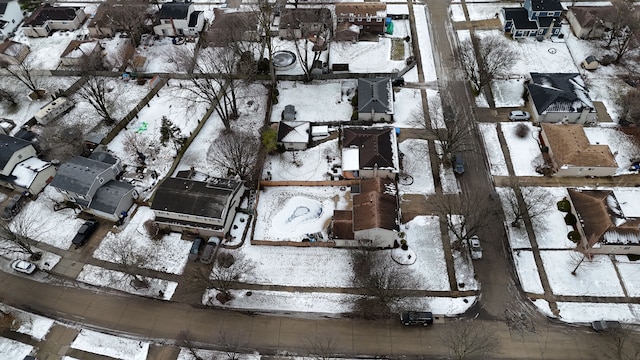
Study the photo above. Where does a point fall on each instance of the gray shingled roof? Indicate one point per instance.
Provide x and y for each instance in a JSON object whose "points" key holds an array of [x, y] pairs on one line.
{"points": [[559, 92], [8, 146], [174, 10], [184, 196], [77, 174], [109, 195], [374, 93], [48, 12]]}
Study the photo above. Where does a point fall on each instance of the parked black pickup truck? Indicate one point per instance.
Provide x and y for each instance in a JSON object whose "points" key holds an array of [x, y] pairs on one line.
{"points": [[416, 318]]}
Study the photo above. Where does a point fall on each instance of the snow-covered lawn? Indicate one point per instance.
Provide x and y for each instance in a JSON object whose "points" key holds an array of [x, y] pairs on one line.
{"points": [[518, 237], [585, 312], [169, 253], [407, 102], [596, 277], [527, 272], [424, 42], [288, 213], [305, 165], [448, 180], [30, 324], [316, 102], [497, 163], [508, 92], [109, 345], [621, 145], [551, 230], [416, 163], [525, 152], [98, 276], [161, 56], [424, 238], [11, 349]]}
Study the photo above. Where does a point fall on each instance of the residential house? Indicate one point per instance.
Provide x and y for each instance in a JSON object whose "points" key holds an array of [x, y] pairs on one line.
{"points": [[560, 97], [91, 184], [231, 26], [102, 23], [196, 207], [606, 225], [79, 53], [21, 169], [534, 18], [294, 135], [367, 16], [375, 100], [369, 152], [302, 23], [374, 218], [590, 22], [179, 18], [10, 17], [571, 154], [47, 18], [346, 31], [53, 110], [13, 53]]}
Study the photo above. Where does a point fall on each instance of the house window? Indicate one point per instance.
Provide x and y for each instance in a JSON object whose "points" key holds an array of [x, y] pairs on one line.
{"points": [[351, 19], [340, 20], [379, 20], [551, 13], [359, 19], [368, 19]]}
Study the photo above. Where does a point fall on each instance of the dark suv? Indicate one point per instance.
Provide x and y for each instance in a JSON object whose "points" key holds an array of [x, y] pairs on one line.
{"points": [[458, 164], [12, 208], [85, 232], [416, 318]]}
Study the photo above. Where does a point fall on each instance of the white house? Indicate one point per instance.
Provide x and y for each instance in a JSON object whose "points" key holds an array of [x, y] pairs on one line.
{"points": [[294, 135], [10, 17], [20, 168], [48, 18], [178, 18]]}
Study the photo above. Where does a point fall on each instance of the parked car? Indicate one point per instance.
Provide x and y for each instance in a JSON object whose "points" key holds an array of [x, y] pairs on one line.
{"points": [[195, 249], [635, 165], [458, 164], [84, 233], [210, 250], [519, 115], [397, 82], [416, 318], [476, 249], [602, 325], [23, 266], [12, 208]]}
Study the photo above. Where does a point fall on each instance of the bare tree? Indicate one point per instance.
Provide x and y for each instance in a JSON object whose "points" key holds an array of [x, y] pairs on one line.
{"points": [[314, 43], [8, 96], [625, 24], [265, 10], [119, 58], [185, 339], [534, 204], [130, 17], [232, 344], [467, 339], [485, 58], [622, 344], [629, 104], [16, 236], [101, 96], [465, 216], [383, 281], [236, 153], [320, 347], [61, 142], [129, 257], [25, 72], [139, 147]]}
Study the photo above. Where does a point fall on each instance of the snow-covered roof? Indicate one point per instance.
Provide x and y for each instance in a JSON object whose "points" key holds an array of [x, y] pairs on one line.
{"points": [[350, 159], [559, 92], [26, 171], [79, 49], [294, 131]]}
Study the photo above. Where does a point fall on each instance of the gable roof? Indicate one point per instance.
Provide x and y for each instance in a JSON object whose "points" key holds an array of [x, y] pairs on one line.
{"points": [[375, 94], [588, 16], [361, 9], [79, 48], [199, 198], [8, 146], [294, 131], [109, 196], [78, 174], [602, 218], [376, 205], [570, 146], [293, 18], [174, 10], [46, 12], [520, 18], [375, 146], [26, 171], [546, 5], [11, 48], [559, 92]]}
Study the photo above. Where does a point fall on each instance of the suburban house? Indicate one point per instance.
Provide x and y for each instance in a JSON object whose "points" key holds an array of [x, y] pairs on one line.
{"points": [[374, 218], [79, 53], [534, 18], [230, 26], [606, 226], [195, 207], [10, 17], [367, 16], [13, 53], [347, 32], [21, 169], [375, 99], [91, 184], [47, 18], [53, 110], [301, 23], [571, 154], [294, 135], [102, 24], [178, 18], [560, 97], [369, 152], [590, 22]]}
